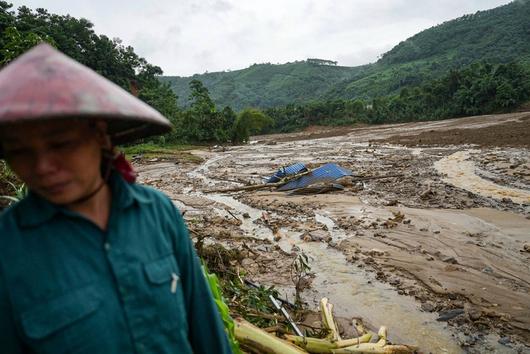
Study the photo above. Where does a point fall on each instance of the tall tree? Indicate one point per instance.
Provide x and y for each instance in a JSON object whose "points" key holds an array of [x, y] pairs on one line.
{"points": [[249, 121], [24, 28]]}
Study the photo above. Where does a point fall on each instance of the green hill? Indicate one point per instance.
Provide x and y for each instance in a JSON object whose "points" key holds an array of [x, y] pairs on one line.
{"points": [[267, 85], [499, 35]]}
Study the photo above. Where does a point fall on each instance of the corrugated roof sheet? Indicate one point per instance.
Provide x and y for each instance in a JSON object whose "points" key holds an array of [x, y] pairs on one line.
{"points": [[326, 173], [287, 171]]}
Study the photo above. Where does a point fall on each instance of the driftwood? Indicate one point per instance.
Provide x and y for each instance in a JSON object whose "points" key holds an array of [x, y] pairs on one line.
{"points": [[260, 186], [247, 188], [284, 181], [366, 178]]}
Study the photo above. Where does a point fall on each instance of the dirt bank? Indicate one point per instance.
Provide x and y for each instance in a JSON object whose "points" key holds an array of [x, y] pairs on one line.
{"points": [[513, 134]]}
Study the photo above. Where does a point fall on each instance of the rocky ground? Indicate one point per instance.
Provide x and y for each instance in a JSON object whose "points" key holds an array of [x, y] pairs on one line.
{"points": [[439, 253]]}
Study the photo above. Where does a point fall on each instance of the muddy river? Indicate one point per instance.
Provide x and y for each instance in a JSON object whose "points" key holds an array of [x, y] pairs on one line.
{"points": [[438, 254]]}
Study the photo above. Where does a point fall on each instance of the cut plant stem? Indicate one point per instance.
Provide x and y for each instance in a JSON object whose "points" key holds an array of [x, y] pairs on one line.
{"points": [[374, 348], [326, 310], [317, 345], [258, 340]]}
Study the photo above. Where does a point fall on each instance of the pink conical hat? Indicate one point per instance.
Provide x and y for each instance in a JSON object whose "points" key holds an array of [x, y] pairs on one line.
{"points": [[45, 84]]}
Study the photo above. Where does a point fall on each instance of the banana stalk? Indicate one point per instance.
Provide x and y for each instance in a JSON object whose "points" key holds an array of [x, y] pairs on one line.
{"points": [[257, 340], [326, 310], [316, 345], [382, 333], [377, 348], [374, 348]]}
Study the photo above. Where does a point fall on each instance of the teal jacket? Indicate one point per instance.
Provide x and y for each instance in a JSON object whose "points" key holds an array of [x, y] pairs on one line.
{"points": [[66, 286]]}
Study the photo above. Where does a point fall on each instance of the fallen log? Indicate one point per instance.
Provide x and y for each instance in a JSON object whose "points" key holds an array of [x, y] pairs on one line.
{"points": [[282, 182], [247, 188], [366, 178]]}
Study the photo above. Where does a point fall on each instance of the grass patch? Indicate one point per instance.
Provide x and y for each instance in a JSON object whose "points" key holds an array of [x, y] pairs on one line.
{"points": [[9, 185], [166, 152]]}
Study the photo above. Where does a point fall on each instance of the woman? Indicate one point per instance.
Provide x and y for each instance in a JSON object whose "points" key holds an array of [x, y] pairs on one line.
{"points": [[90, 263]]}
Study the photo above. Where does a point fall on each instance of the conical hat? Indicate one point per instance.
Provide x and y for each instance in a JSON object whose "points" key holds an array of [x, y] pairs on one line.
{"points": [[45, 84]]}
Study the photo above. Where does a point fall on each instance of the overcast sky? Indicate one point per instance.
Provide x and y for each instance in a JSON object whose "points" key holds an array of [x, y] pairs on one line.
{"points": [[185, 37]]}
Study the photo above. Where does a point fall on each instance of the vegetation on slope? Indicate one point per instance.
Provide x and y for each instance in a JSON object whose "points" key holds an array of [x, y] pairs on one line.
{"points": [[480, 88], [266, 85], [24, 28], [500, 35]]}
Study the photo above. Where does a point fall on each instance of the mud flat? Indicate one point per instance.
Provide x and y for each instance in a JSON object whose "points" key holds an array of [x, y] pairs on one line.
{"points": [[440, 254], [461, 172]]}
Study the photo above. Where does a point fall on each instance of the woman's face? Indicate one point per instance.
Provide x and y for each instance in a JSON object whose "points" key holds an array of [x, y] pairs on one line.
{"points": [[59, 160]]}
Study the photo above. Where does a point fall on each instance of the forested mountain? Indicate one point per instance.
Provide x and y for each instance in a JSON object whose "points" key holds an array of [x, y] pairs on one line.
{"points": [[500, 35], [266, 85]]}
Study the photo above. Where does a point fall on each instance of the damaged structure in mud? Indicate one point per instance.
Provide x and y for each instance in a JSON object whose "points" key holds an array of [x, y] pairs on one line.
{"points": [[435, 246]]}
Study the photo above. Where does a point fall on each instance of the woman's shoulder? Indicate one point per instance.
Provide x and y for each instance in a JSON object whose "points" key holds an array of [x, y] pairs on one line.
{"points": [[147, 193], [8, 219], [158, 203], [8, 214], [29, 211], [5, 215]]}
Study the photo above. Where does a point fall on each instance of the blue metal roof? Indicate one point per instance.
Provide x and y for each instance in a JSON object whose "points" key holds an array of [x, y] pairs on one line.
{"points": [[287, 171], [326, 173]]}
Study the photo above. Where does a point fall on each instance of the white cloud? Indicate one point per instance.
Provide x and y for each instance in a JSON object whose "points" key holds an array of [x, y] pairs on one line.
{"points": [[192, 36]]}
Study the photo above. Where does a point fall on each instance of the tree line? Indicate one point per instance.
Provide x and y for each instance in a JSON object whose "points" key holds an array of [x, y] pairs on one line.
{"points": [[201, 122], [480, 88]]}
